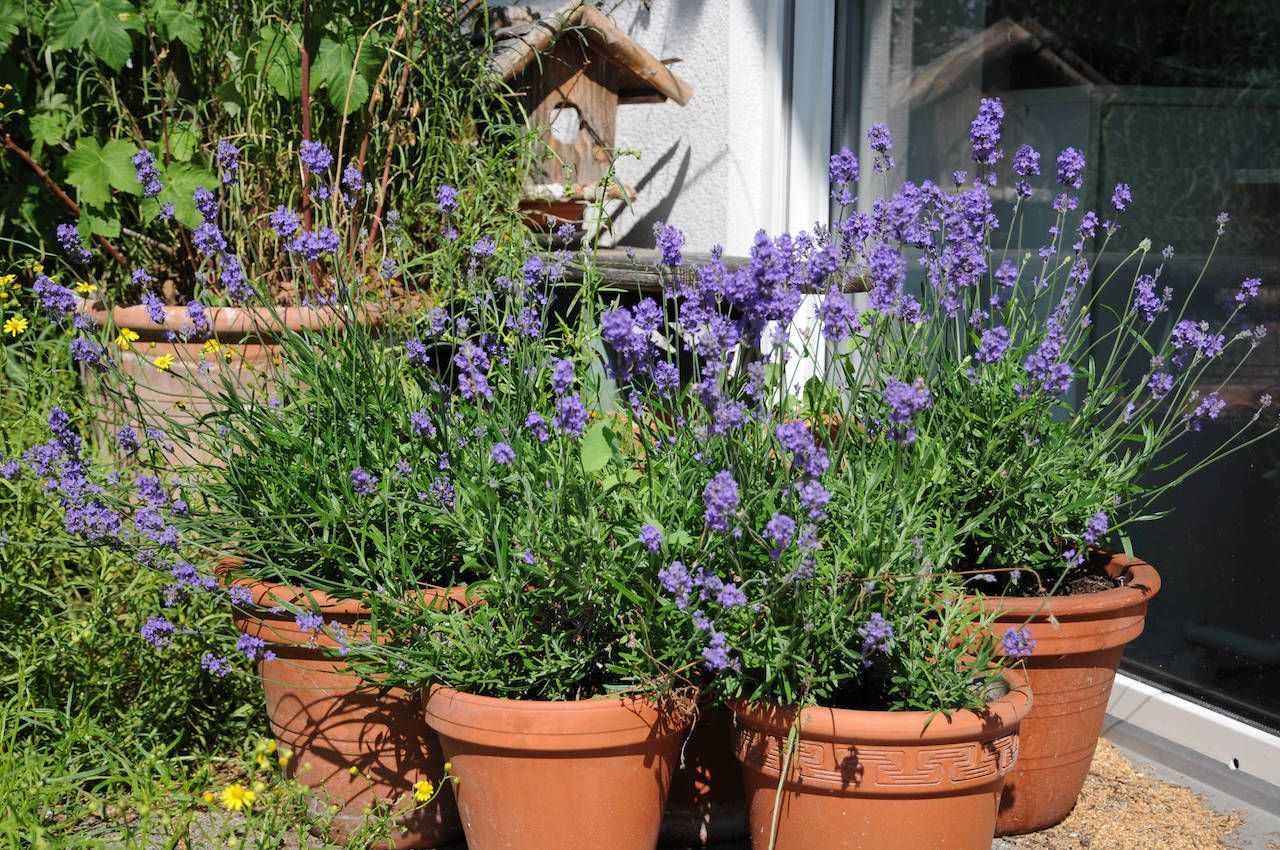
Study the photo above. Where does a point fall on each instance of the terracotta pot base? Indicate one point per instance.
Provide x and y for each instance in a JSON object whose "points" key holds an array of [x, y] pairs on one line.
{"points": [[1079, 641], [532, 774], [321, 711], [864, 780]]}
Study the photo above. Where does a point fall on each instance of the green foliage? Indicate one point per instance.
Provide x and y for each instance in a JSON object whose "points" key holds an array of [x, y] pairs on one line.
{"points": [[105, 27], [98, 731], [201, 72], [97, 169]]}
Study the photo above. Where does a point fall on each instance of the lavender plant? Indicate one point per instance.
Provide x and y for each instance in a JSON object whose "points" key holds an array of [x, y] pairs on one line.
{"points": [[318, 471], [395, 89], [1062, 409], [648, 505]]}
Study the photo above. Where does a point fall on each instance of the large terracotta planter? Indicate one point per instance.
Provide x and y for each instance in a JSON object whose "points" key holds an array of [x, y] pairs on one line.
{"points": [[533, 774], [320, 711], [707, 804], [866, 780], [137, 393], [1079, 640]]}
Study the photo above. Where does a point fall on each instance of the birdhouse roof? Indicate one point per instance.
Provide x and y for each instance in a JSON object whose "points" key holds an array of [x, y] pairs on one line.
{"points": [[644, 78]]}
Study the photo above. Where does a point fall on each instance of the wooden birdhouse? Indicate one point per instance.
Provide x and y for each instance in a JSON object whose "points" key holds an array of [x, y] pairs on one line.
{"points": [[573, 69]]}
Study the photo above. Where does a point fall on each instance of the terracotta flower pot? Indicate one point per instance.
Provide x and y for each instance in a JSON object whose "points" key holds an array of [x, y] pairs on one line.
{"points": [[707, 804], [1079, 640], [534, 774], [247, 340], [865, 780], [320, 710]]}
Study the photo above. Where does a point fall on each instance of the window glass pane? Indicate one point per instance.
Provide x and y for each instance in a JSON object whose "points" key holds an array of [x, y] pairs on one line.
{"points": [[1181, 100]]}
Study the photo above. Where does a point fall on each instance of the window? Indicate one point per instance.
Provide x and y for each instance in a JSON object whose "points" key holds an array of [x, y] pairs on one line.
{"points": [[1181, 100]]}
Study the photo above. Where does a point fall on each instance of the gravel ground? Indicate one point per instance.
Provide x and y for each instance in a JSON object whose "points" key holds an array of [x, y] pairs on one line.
{"points": [[1124, 806]]}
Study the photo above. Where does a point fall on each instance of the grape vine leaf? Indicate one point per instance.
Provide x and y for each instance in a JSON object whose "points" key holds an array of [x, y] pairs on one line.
{"points": [[12, 18], [49, 128], [180, 180], [176, 21], [278, 54], [183, 139], [337, 66], [104, 24], [95, 170], [96, 222]]}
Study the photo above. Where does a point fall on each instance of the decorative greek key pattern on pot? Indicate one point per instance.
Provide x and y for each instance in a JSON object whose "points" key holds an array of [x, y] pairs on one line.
{"points": [[869, 767]]}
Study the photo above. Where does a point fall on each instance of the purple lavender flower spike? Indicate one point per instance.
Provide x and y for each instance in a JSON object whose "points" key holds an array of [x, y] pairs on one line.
{"points": [[71, 243], [251, 646], [905, 401], [881, 142], [158, 632], [1248, 290], [651, 537], [876, 634], [669, 239], [1096, 527], [144, 168], [447, 198], [1121, 197], [1018, 643], [502, 454], [716, 654], [215, 664], [1071, 168], [228, 157], [56, 300], [721, 501], [571, 415], [206, 203], [779, 531], [363, 482], [537, 426], [285, 222], [984, 132], [993, 344], [315, 157]]}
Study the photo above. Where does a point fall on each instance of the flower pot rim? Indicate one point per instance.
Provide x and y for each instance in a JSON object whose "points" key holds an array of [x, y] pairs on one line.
{"points": [[908, 727], [260, 321], [1142, 582], [597, 703], [267, 594], [590, 725]]}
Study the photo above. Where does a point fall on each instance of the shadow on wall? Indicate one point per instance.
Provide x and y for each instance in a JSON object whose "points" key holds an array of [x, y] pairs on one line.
{"points": [[640, 232]]}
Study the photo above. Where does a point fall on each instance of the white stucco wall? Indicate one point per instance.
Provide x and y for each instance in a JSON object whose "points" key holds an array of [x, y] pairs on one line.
{"points": [[703, 167]]}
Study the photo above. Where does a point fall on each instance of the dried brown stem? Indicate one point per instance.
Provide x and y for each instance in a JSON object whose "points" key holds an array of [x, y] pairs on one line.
{"points": [[61, 195], [396, 105], [305, 57]]}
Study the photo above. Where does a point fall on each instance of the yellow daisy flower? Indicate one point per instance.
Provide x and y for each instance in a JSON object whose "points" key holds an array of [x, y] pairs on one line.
{"points": [[422, 790], [163, 362], [285, 755], [237, 797], [208, 797], [85, 287], [126, 338], [6, 279], [16, 325]]}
